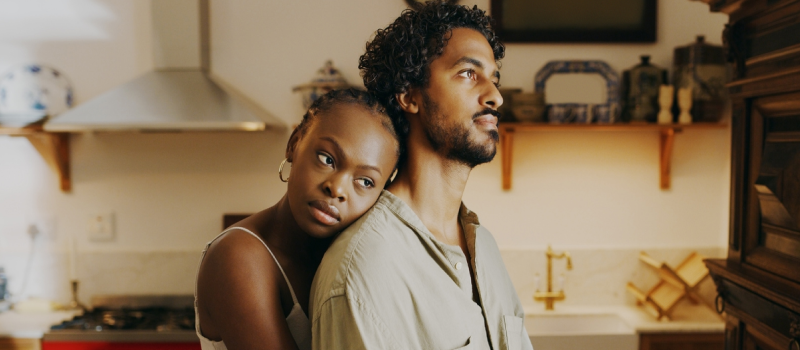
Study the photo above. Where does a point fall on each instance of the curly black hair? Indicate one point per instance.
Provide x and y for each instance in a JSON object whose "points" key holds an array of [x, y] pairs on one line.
{"points": [[399, 56], [351, 96]]}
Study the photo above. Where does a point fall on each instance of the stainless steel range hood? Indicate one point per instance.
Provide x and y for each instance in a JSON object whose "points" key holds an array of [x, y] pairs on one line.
{"points": [[180, 95]]}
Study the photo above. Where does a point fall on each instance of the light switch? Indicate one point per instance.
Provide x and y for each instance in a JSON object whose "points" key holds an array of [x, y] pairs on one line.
{"points": [[100, 227]]}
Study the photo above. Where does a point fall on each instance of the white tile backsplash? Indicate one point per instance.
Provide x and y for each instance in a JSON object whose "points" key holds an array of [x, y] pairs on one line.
{"points": [[598, 276]]}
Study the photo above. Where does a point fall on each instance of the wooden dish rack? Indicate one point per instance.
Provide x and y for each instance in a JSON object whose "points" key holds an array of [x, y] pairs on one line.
{"points": [[675, 284]]}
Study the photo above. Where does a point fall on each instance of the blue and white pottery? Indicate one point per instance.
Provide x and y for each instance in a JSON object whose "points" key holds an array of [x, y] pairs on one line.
{"points": [[580, 112], [34, 89], [562, 113]]}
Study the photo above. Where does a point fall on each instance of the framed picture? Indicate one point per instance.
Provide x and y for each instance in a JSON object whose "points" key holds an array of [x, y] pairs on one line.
{"points": [[416, 4], [570, 21]]}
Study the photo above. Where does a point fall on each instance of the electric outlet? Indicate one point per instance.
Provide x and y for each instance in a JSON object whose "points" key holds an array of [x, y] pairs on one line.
{"points": [[100, 227], [42, 226]]}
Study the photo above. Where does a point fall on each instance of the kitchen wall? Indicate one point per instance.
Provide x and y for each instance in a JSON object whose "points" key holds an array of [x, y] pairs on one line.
{"points": [[593, 193]]}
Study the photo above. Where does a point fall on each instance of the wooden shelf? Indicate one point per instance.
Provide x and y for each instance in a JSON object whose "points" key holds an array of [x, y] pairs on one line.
{"points": [[666, 134], [54, 148]]}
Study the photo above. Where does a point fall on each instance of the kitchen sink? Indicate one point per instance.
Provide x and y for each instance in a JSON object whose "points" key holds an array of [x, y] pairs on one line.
{"points": [[580, 331]]}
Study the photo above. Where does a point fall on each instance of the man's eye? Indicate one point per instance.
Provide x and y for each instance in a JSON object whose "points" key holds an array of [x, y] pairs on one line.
{"points": [[325, 159], [365, 183], [469, 74]]}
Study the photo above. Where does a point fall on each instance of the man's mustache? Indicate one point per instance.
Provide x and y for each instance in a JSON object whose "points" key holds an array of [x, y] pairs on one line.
{"points": [[486, 111]]}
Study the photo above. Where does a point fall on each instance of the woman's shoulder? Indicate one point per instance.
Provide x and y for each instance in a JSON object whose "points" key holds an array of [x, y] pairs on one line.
{"points": [[237, 243], [238, 256], [240, 284]]}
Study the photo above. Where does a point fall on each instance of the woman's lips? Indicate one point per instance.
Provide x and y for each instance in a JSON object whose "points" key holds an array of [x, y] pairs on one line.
{"points": [[324, 212]]}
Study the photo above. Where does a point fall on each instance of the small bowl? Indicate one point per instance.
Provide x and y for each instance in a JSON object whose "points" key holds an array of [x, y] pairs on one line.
{"points": [[529, 113]]}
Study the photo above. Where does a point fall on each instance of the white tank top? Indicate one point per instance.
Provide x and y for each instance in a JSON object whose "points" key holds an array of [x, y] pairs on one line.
{"points": [[298, 322]]}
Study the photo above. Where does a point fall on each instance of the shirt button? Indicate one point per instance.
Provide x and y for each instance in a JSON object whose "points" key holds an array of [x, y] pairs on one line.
{"points": [[458, 265]]}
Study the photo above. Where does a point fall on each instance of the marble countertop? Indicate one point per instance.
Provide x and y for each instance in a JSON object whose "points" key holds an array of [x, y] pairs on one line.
{"points": [[30, 324], [686, 317]]}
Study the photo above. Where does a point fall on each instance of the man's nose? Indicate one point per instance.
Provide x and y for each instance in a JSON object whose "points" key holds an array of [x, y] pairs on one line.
{"points": [[491, 97]]}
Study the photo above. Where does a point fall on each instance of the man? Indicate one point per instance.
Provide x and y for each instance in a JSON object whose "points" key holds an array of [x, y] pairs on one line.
{"points": [[418, 271]]}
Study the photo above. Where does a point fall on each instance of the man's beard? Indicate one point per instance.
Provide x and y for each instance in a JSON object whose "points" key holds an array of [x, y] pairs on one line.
{"points": [[455, 138]]}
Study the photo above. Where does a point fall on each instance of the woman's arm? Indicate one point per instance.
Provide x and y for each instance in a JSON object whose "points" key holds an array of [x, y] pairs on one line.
{"points": [[238, 291]]}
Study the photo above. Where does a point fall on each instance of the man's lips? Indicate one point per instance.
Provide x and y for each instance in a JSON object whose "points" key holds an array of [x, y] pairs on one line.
{"points": [[324, 212], [486, 117], [487, 120]]}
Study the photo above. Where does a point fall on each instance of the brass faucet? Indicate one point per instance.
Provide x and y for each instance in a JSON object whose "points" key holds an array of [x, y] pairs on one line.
{"points": [[549, 297]]}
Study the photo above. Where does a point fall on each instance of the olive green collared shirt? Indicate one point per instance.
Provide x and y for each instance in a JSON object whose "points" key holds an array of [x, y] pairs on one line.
{"points": [[387, 283]]}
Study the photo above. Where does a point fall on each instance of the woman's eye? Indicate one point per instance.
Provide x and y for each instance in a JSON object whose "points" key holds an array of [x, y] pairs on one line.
{"points": [[325, 159], [365, 183]]}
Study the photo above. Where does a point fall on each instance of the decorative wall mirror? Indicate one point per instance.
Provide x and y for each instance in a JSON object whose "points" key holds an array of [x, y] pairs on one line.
{"points": [[608, 21], [415, 4]]}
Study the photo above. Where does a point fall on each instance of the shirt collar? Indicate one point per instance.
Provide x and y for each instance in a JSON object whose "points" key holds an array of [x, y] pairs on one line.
{"points": [[406, 214]]}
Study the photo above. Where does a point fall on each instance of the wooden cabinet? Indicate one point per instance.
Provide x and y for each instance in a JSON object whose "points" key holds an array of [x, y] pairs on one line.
{"points": [[681, 341], [771, 238], [20, 344], [759, 282]]}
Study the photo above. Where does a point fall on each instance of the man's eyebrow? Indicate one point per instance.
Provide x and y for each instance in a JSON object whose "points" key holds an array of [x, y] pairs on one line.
{"points": [[476, 63], [469, 60]]}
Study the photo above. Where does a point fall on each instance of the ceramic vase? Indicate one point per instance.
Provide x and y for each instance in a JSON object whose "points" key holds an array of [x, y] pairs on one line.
{"points": [[640, 86], [701, 67]]}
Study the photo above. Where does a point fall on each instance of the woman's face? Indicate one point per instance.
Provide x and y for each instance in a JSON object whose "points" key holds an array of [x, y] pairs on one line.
{"points": [[339, 168]]}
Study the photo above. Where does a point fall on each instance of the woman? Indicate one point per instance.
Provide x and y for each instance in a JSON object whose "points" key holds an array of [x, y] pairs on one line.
{"points": [[254, 279]]}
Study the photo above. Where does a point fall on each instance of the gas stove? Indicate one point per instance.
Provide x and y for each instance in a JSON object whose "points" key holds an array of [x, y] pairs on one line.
{"points": [[153, 319], [130, 322]]}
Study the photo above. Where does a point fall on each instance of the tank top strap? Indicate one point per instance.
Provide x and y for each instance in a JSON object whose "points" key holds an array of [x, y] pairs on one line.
{"points": [[291, 290]]}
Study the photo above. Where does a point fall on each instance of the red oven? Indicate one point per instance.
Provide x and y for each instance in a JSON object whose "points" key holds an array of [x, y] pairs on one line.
{"points": [[97, 345]]}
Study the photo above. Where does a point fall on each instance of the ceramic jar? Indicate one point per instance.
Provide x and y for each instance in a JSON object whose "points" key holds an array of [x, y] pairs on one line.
{"points": [[701, 67], [506, 111], [327, 78], [528, 106], [640, 86]]}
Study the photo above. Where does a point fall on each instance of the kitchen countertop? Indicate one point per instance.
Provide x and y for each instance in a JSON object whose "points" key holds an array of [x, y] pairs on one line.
{"points": [[36, 325], [686, 317], [126, 336], [30, 324]]}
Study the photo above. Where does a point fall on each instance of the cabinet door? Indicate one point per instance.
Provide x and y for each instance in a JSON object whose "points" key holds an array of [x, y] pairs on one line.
{"points": [[772, 233], [19, 344], [753, 339], [681, 341]]}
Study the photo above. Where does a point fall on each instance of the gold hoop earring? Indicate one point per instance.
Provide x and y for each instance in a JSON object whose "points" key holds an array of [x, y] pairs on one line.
{"points": [[280, 170]]}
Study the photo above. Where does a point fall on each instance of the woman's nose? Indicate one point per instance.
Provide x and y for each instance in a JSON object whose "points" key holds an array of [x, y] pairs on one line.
{"points": [[334, 187]]}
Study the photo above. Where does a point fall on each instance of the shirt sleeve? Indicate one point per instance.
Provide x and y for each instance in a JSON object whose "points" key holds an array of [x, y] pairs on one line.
{"points": [[344, 323]]}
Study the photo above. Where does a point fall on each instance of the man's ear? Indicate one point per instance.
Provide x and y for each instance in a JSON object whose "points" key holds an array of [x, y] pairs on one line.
{"points": [[408, 101], [291, 146]]}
